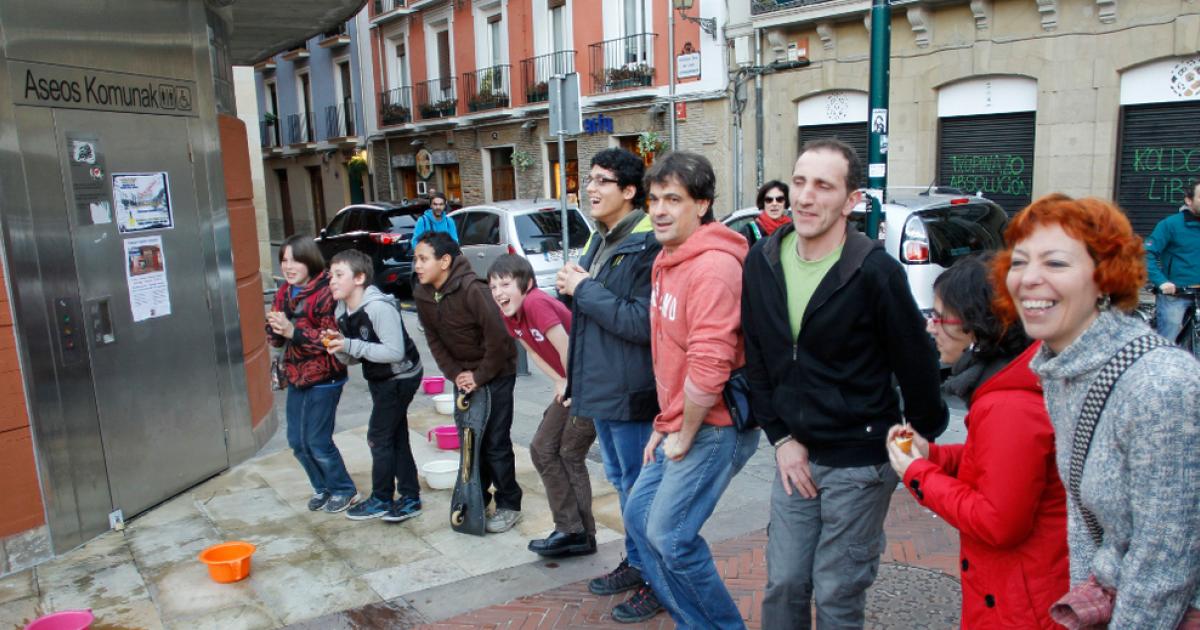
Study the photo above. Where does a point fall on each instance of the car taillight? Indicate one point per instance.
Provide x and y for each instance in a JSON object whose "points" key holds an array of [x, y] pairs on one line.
{"points": [[386, 238], [914, 245], [959, 201], [512, 250]]}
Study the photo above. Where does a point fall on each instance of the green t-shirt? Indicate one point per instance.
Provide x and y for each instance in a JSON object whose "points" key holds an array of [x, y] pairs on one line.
{"points": [[802, 278]]}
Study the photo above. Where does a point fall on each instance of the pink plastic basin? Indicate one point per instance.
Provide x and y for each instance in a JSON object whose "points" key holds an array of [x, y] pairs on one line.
{"points": [[447, 437], [433, 385], [65, 620]]}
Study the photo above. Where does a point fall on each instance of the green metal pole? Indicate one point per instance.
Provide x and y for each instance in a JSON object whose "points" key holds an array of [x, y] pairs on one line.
{"points": [[881, 57]]}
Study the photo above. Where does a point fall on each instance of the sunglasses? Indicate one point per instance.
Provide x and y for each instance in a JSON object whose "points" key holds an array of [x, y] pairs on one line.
{"points": [[775, 199]]}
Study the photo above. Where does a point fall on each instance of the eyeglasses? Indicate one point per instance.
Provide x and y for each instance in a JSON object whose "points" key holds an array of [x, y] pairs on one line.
{"points": [[775, 199], [600, 180], [936, 319]]}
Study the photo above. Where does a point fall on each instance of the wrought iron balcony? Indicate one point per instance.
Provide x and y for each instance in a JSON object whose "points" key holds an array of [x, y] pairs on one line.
{"points": [[623, 63], [268, 133], [487, 88], [536, 73], [341, 121], [395, 106], [437, 98], [300, 128], [759, 7]]}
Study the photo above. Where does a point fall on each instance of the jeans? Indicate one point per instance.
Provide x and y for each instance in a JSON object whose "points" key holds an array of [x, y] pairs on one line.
{"points": [[392, 464], [1168, 315], [668, 506], [497, 464], [559, 452], [827, 547], [621, 446], [310, 417]]}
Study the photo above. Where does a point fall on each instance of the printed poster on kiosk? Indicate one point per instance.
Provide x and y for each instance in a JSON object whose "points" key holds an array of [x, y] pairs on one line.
{"points": [[146, 272], [142, 201]]}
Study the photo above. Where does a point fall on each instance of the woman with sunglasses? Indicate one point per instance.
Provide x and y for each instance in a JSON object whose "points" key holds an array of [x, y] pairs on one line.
{"points": [[1130, 458], [1000, 489], [773, 212]]}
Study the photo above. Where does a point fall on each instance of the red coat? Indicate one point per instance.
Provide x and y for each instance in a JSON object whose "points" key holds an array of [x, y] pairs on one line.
{"points": [[1002, 492]]}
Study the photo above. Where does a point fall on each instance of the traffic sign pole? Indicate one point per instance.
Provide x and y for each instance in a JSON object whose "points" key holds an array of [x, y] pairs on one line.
{"points": [[881, 56]]}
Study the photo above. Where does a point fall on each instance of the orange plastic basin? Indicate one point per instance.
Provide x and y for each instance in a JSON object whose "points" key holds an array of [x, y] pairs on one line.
{"points": [[228, 562]]}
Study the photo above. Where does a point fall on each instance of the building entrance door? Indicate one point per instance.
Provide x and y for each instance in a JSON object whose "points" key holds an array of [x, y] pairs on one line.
{"points": [[135, 360]]}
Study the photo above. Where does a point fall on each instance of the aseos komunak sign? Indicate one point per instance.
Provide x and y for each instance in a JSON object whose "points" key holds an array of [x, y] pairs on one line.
{"points": [[46, 85]]}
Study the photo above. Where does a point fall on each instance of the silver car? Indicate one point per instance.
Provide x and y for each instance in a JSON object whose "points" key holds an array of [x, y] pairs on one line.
{"points": [[529, 228]]}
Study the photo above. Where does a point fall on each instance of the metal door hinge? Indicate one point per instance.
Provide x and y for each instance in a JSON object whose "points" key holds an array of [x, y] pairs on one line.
{"points": [[116, 520]]}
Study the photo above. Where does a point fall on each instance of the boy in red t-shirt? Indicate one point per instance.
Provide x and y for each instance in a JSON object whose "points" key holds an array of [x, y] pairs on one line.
{"points": [[560, 446]]}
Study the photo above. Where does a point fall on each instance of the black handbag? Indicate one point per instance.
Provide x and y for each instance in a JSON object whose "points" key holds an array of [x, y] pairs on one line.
{"points": [[737, 400]]}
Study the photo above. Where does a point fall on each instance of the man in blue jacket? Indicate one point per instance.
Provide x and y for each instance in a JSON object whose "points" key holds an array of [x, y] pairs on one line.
{"points": [[610, 375], [435, 220], [1173, 261]]}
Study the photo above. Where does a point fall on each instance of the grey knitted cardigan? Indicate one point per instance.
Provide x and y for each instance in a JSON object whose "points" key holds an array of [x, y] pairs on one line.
{"points": [[1142, 476]]}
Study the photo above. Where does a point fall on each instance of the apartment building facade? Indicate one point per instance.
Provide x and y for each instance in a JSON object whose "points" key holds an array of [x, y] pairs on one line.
{"points": [[1014, 98], [311, 130], [462, 92]]}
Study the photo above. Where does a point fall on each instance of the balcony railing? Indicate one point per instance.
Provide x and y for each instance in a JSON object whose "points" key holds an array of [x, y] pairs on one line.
{"points": [[536, 73], [487, 88], [395, 106], [437, 98], [623, 63], [341, 120], [383, 6], [268, 133], [300, 129], [758, 7]]}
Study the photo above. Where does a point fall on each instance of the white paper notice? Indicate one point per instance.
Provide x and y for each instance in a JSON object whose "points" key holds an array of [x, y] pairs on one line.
{"points": [[146, 271], [142, 201]]}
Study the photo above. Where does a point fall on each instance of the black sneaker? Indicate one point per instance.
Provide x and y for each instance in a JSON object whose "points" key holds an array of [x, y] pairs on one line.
{"points": [[318, 501], [403, 509], [640, 606], [620, 579], [340, 502], [369, 509]]}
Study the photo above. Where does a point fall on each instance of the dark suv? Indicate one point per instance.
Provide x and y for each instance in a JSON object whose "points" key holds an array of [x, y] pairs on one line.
{"points": [[382, 230]]}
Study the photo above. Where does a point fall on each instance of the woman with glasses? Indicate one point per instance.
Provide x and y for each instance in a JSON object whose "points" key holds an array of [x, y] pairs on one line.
{"points": [[1129, 454], [1000, 489], [773, 212]]}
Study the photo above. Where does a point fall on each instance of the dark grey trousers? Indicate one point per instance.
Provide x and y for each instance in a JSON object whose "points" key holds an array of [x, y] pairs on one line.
{"points": [[826, 548]]}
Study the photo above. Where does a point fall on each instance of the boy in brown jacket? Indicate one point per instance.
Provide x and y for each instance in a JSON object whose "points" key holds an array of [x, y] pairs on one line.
{"points": [[471, 346]]}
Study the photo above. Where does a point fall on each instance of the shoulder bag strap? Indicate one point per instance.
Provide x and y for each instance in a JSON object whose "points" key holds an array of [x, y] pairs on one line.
{"points": [[1089, 416]]}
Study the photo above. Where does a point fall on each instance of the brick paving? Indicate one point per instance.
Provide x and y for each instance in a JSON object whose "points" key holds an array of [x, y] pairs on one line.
{"points": [[921, 548]]}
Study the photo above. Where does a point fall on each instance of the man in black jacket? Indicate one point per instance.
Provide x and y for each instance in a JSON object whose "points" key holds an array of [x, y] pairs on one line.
{"points": [[610, 375], [828, 320]]}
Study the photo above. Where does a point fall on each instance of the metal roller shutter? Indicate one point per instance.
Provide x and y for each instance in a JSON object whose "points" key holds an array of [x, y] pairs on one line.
{"points": [[1159, 156], [992, 154], [853, 134]]}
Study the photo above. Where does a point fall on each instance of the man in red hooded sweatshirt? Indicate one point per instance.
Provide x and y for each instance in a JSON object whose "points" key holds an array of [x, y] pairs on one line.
{"points": [[695, 342]]}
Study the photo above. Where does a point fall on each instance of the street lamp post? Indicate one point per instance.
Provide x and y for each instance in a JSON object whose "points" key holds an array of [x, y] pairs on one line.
{"points": [[881, 54]]}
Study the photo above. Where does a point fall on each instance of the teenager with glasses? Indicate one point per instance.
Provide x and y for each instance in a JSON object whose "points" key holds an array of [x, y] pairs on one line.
{"points": [[1000, 488], [773, 205]]}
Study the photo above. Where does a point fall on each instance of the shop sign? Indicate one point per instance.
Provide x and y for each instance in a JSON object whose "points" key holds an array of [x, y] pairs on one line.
{"points": [[44, 85], [598, 124], [687, 66], [444, 157]]}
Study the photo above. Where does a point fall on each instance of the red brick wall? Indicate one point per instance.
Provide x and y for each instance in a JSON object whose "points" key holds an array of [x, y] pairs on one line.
{"points": [[20, 493], [239, 194]]}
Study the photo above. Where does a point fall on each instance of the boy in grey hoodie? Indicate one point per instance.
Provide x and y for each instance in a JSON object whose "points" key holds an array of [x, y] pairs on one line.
{"points": [[371, 333]]}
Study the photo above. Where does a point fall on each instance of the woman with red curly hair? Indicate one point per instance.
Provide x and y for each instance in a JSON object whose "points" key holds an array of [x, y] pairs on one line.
{"points": [[1125, 407]]}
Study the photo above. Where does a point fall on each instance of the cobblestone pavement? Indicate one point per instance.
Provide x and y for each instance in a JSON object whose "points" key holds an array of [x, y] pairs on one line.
{"points": [[916, 587]]}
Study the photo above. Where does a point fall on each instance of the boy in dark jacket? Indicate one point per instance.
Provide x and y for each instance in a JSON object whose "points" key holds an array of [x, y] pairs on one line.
{"points": [[371, 332], [829, 320], [610, 375], [468, 340]]}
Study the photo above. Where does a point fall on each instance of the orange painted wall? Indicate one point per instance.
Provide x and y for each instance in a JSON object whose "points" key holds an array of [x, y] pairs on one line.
{"points": [[588, 29], [416, 50], [464, 48], [520, 45], [21, 499], [239, 194]]}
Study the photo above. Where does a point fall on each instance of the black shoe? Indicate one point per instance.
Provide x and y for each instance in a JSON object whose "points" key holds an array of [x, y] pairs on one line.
{"points": [[318, 501], [559, 544], [622, 578], [640, 606]]}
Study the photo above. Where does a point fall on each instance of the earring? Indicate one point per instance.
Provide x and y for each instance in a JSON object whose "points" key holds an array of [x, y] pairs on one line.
{"points": [[1104, 303]]}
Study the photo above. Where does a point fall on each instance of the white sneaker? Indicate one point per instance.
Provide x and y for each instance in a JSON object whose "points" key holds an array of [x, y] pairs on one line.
{"points": [[503, 520]]}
